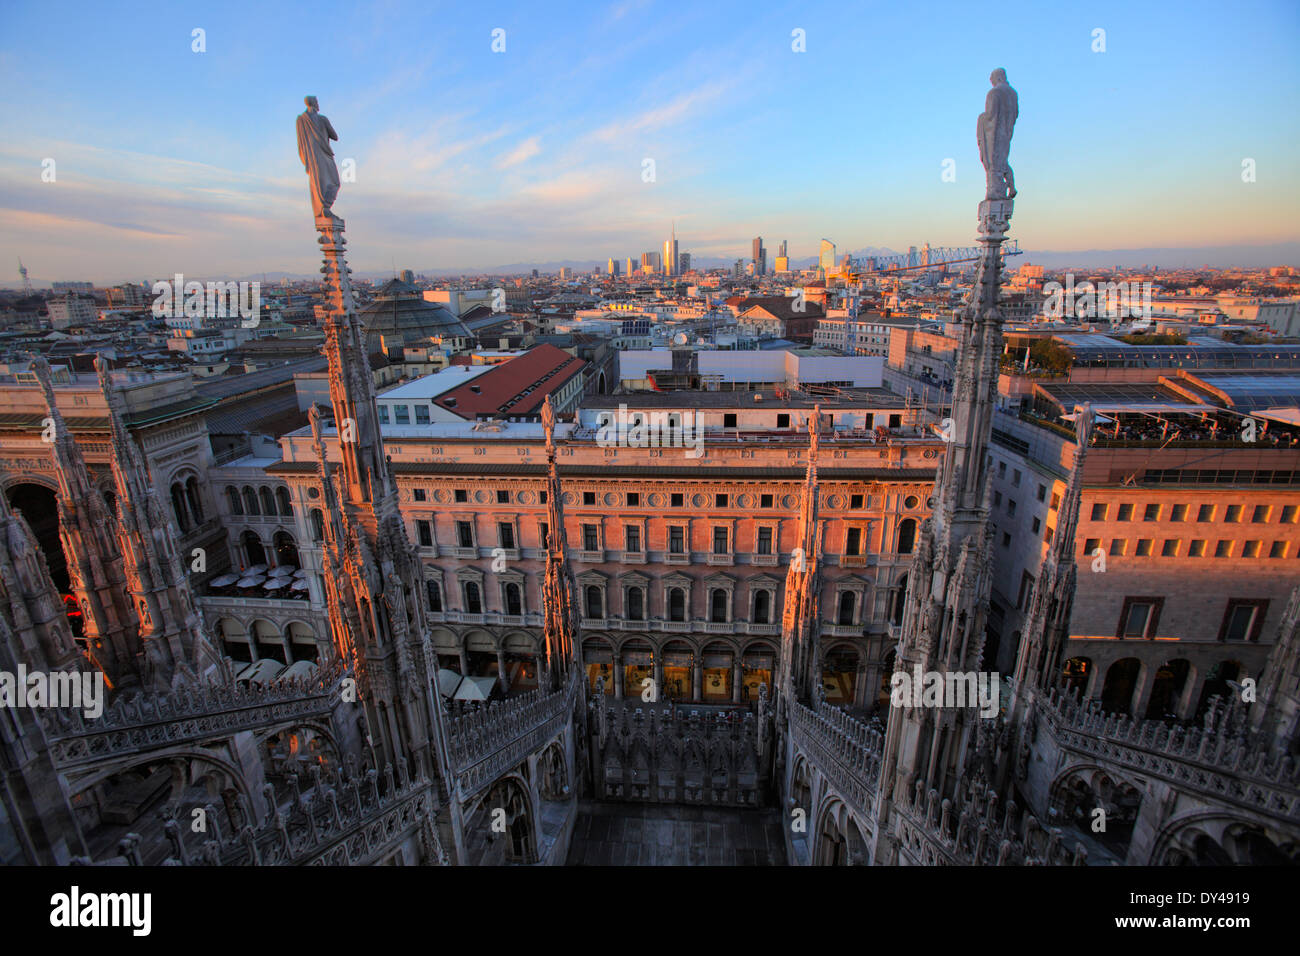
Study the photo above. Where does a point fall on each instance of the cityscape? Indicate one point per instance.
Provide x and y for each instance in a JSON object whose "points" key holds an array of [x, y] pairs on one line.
{"points": [[681, 536]]}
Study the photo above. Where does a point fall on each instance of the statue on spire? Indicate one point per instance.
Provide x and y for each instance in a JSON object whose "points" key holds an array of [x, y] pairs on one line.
{"points": [[993, 130], [314, 135]]}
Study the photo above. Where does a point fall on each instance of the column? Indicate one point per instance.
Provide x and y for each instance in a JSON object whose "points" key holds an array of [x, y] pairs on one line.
{"points": [[659, 676], [464, 661], [1094, 681], [618, 676], [1142, 693], [735, 681], [697, 677], [502, 678]]}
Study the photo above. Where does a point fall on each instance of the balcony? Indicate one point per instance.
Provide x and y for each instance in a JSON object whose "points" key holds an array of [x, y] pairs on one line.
{"points": [[677, 626], [720, 627], [592, 557], [722, 559], [632, 557], [842, 630], [768, 560], [765, 629], [510, 554], [467, 554], [671, 558], [853, 560]]}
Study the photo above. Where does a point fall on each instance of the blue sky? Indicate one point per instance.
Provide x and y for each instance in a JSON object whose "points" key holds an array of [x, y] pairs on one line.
{"points": [[169, 160]]}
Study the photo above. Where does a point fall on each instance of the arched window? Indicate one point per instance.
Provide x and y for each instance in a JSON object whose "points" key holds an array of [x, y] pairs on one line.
{"points": [[286, 549], [194, 499], [514, 603], [268, 501], [763, 607], [178, 507], [473, 600], [848, 603], [676, 604], [317, 525], [635, 604], [232, 499], [250, 501], [907, 536], [253, 549], [435, 595], [594, 604], [282, 496], [718, 606]]}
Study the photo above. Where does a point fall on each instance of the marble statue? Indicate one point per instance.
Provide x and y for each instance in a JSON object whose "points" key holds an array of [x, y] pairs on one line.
{"points": [[993, 131], [314, 135]]}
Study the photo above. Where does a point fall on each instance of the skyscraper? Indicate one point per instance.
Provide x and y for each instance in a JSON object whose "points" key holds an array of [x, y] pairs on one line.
{"points": [[613, 266], [782, 251], [826, 256], [670, 254], [759, 256]]}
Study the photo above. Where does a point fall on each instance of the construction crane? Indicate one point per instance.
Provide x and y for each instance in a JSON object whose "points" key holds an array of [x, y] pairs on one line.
{"points": [[927, 257]]}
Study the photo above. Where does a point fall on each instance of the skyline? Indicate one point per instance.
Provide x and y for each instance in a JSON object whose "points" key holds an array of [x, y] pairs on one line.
{"points": [[467, 160]]}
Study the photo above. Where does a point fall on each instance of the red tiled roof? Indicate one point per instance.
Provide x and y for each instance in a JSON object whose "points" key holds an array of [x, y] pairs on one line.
{"points": [[516, 387]]}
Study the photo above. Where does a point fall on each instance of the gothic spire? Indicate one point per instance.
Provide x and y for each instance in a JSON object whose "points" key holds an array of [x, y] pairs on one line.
{"points": [[87, 531], [561, 629], [175, 647], [800, 629]]}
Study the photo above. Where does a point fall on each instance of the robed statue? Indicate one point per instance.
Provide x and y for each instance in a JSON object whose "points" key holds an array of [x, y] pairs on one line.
{"points": [[993, 131], [314, 135]]}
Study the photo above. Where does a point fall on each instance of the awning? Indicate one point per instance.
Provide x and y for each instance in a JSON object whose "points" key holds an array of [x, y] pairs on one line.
{"points": [[448, 681], [1287, 416], [474, 688]]}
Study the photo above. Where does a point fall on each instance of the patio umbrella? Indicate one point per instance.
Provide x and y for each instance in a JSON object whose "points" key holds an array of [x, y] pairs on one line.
{"points": [[224, 580], [298, 586]]}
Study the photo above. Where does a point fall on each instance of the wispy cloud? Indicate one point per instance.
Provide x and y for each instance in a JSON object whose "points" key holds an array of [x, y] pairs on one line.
{"points": [[521, 153]]}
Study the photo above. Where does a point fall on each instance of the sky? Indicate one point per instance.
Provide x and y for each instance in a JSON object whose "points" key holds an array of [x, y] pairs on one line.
{"points": [[170, 160]]}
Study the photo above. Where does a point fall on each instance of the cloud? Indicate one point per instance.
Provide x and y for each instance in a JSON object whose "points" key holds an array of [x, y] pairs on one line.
{"points": [[521, 153]]}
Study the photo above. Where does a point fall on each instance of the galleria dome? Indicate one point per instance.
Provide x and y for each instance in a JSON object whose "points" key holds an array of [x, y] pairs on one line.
{"points": [[400, 313]]}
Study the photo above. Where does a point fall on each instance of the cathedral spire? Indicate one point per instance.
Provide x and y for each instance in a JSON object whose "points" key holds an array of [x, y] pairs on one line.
{"points": [[28, 598], [87, 531], [561, 628], [175, 648], [1046, 624], [377, 610], [800, 626], [929, 746]]}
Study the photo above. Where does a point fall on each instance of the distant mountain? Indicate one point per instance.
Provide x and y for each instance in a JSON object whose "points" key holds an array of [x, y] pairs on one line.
{"points": [[1191, 257]]}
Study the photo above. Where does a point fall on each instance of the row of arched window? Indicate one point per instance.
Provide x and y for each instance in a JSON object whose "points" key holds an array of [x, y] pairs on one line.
{"points": [[262, 501], [593, 604]]}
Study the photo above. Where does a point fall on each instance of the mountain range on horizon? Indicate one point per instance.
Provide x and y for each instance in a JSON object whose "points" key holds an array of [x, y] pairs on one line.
{"points": [[1215, 257]]}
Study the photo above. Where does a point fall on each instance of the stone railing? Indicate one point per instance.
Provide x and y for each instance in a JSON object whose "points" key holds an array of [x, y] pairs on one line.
{"points": [[146, 722], [974, 832], [1218, 761], [490, 739], [344, 819], [846, 751]]}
